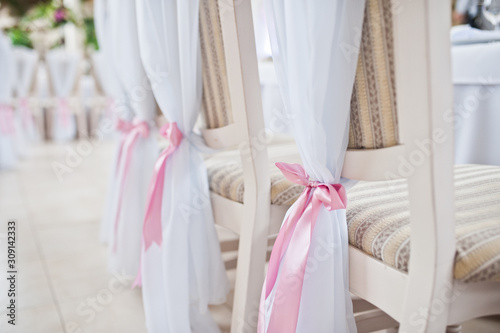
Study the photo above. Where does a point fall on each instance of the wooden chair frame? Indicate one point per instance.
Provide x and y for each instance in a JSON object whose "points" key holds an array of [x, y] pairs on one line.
{"points": [[427, 299], [250, 220]]}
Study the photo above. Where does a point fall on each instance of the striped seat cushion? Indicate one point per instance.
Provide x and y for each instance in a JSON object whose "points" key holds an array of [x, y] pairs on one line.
{"points": [[378, 221], [226, 179]]}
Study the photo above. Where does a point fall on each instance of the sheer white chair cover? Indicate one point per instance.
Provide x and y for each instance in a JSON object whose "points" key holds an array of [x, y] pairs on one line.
{"points": [[105, 70], [316, 76], [63, 69], [132, 189], [8, 150], [26, 61], [105, 73], [103, 60], [186, 274], [262, 43]]}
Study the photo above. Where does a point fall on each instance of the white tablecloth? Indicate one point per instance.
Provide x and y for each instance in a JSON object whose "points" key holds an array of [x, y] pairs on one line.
{"points": [[476, 79]]}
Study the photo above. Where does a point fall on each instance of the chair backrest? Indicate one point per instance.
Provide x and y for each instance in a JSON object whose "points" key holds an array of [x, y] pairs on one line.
{"points": [[228, 109], [374, 121], [216, 94], [374, 137], [424, 151], [232, 106], [232, 102], [231, 80]]}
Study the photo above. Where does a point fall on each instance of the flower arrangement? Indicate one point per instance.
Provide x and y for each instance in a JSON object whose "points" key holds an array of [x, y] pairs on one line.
{"points": [[41, 24], [51, 14]]}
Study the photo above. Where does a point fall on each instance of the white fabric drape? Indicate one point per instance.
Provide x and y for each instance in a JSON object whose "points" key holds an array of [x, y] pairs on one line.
{"points": [[103, 59], [26, 60], [8, 151], [63, 70], [316, 78], [260, 27], [138, 98], [187, 273], [106, 73]]}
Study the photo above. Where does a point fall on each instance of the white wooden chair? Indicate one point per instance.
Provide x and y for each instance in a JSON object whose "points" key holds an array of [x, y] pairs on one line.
{"points": [[248, 197], [246, 194], [453, 272], [379, 150], [73, 101]]}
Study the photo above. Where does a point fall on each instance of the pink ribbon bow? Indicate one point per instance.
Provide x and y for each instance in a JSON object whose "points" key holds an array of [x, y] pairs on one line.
{"points": [[132, 133], [294, 239], [7, 125], [64, 111], [152, 231]]}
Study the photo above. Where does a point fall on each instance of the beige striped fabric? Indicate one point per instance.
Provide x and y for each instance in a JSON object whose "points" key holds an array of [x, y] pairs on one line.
{"points": [[226, 179], [378, 221], [373, 122], [216, 99]]}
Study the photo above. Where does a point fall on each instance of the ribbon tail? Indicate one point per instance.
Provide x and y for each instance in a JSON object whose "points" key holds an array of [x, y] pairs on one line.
{"points": [[288, 293], [127, 153], [283, 240], [152, 229]]}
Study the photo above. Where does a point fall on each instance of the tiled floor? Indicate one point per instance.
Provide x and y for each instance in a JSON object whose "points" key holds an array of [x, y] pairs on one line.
{"points": [[63, 283]]}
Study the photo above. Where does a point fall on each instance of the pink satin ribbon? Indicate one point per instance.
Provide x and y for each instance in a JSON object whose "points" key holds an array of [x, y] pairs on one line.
{"points": [[294, 239], [152, 231], [64, 112], [26, 113], [7, 125], [136, 130]]}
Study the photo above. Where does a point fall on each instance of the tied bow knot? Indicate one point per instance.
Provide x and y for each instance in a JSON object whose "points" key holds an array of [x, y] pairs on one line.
{"points": [[140, 127], [171, 132], [152, 230], [294, 239], [312, 183]]}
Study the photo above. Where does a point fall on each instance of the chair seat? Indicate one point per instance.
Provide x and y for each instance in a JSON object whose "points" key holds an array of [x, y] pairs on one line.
{"points": [[378, 222], [226, 179], [378, 215]]}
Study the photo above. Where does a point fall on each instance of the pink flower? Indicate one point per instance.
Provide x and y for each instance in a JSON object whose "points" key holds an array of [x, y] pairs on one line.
{"points": [[59, 15]]}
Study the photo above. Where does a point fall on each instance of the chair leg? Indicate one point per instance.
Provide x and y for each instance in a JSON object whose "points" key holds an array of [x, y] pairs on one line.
{"points": [[454, 329], [249, 281]]}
